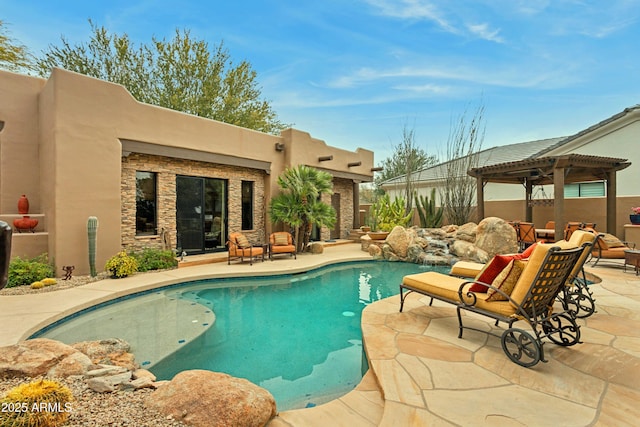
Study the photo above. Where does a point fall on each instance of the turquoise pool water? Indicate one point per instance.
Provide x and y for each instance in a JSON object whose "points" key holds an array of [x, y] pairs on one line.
{"points": [[298, 336]]}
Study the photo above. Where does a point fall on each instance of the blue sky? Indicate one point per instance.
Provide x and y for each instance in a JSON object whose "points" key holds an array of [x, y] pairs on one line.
{"points": [[355, 72]]}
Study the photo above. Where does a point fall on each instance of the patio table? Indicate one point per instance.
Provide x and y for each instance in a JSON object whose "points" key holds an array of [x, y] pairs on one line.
{"points": [[546, 233]]}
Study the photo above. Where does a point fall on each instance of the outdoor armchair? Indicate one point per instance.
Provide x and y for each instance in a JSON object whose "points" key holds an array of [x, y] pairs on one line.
{"points": [[240, 248], [281, 242]]}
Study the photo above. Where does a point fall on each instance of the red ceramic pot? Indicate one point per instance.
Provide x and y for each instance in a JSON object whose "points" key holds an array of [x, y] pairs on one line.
{"points": [[25, 223], [23, 205]]}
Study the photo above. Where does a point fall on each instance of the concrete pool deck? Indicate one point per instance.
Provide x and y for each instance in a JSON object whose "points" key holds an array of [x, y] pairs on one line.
{"points": [[420, 372]]}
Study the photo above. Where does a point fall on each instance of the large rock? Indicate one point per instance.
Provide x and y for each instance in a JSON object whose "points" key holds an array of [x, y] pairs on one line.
{"points": [[41, 356], [467, 232], [111, 351], [496, 236], [467, 251], [205, 398], [399, 240]]}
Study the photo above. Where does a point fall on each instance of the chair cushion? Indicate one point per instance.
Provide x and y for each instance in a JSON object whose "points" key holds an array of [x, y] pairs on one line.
{"points": [[242, 241], [283, 249], [506, 280], [612, 241], [466, 269], [446, 287], [280, 239], [531, 269]]}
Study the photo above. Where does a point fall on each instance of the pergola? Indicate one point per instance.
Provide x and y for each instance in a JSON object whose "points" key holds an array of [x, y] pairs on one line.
{"points": [[556, 170]]}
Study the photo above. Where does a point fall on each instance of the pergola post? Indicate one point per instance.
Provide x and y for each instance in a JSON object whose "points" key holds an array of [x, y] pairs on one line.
{"points": [[558, 202], [612, 194], [479, 198], [528, 209]]}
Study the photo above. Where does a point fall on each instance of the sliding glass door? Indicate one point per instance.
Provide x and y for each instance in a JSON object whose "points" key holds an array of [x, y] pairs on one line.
{"points": [[201, 214]]}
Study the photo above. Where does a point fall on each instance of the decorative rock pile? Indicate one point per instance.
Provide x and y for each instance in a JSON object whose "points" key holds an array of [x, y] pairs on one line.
{"points": [[105, 365], [446, 245], [196, 397]]}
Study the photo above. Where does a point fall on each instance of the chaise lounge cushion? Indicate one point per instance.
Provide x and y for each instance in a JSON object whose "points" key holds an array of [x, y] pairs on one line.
{"points": [[446, 287], [531, 270]]}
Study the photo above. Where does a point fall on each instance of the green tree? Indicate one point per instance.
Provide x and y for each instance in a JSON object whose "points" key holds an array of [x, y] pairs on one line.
{"points": [[182, 74], [406, 160], [299, 204], [13, 55]]}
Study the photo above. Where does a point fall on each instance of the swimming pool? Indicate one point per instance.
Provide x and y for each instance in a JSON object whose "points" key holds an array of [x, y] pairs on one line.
{"points": [[298, 336]]}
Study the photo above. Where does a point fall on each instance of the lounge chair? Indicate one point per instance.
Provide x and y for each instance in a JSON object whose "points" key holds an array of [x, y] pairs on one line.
{"points": [[576, 295], [281, 242], [540, 280], [609, 247], [240, 248]]}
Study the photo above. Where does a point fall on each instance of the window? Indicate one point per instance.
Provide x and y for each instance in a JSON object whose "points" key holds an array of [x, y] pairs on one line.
{"points": [[584, 189], [247, 205], [146, 203]]}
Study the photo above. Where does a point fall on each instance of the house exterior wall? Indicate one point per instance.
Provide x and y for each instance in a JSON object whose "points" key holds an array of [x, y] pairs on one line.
{"points": [[62, 146]]}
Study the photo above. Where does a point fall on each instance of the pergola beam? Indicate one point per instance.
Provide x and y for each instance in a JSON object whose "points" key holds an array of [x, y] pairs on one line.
{"points": [[556, 170]]}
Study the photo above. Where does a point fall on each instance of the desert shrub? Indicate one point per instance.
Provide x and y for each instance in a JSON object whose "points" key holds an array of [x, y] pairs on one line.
{"points": [[121, 265], [24, 272], [40, 403], [49, 281], [37, 285], [155, 259]]}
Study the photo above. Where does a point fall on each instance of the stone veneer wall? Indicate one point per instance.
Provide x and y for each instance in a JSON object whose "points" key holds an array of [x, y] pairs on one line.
{"points": [[345, 188], [167, 169]]}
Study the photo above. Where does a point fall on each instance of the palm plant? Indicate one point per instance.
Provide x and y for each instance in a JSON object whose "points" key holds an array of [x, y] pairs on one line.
{"points": [[299, 204]]}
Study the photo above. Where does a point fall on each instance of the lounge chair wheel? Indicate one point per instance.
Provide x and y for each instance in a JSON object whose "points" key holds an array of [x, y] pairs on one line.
{"points": [[521, 347], [578, 300], [562, 330]]}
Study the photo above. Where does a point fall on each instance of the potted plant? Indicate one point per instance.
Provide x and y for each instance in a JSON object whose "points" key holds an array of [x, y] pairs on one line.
{"points": [[387, 214], [635, 216]]}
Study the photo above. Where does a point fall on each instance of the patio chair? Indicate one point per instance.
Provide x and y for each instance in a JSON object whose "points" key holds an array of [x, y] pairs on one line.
{"points": [[609, 246], [281, 242], [537, 284], [240, 248], [526, 233], [570, 228]]}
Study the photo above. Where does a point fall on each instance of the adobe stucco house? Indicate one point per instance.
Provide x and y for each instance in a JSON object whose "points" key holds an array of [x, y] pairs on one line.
{"points": [[616, 137], [80, 147]]}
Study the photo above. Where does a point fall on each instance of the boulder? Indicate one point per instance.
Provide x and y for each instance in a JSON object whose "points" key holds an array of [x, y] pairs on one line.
{"points": [[375, 251], [38, 356], [399, 240], [316, 248], [496, 236], [98, 350], [466, 232], [74, 364], [205, 398], [468, 251]]}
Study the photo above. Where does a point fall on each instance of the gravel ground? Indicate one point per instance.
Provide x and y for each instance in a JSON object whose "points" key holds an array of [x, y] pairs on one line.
{"points": [[123, 408], [61, 284]]}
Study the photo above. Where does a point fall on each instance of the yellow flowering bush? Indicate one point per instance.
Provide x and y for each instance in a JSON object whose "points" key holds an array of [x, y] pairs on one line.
{"points": [[121, 265], [37, 285]]}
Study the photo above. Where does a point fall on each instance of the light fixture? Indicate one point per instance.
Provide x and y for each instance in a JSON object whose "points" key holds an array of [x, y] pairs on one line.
{"points": [[352, 164], [279, 146], [325, 158]]}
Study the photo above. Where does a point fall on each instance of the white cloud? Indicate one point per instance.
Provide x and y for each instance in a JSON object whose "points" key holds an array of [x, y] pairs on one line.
{"points": [[485, 32]]}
